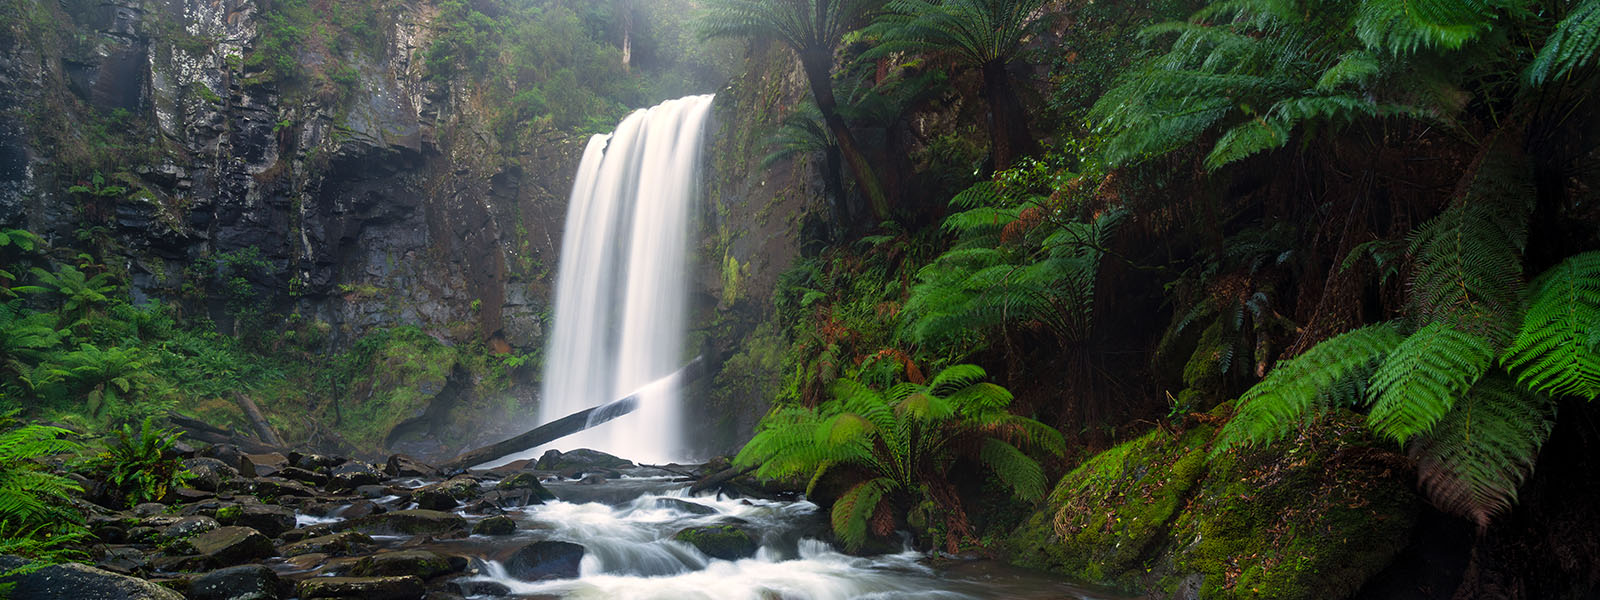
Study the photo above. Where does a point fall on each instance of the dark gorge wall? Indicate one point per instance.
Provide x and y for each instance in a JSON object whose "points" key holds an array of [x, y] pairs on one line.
{"points": [[386, 199]]}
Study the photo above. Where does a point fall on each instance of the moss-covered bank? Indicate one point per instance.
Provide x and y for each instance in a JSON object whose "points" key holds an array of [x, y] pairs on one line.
{"points": [[1313, 519]]}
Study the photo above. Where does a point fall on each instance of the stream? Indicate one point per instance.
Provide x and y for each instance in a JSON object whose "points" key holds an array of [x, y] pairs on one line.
{"points": [[625, 526]]}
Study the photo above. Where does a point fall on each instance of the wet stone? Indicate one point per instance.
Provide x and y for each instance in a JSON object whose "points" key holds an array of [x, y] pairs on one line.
{"points": [[246, 582], [546, 560], [366, 588]]}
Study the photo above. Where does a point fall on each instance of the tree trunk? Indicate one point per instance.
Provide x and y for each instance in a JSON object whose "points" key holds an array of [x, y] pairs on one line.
{"points": [[257, 420], [1009, 137], [818, 66]]}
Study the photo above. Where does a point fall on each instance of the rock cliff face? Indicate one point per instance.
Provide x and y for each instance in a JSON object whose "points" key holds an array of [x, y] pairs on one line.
{"points": [[388, 203]]}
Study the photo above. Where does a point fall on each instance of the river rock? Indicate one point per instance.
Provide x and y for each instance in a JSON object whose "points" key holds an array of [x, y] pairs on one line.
{"points": [[231, 545], [366, 588], [303, 476], [446, 495], [400, 465], [124, 561], [271, 521], [313, 462], [421, 563], [265, 465], [244, 582], [720, 541], [278, 487], [497, 525], [582, 458], [693, 508], [192, 563], [545, 560], [352, 475], [186, 527], [408, 522], [209, 473], [79, 582], [338, 544]]}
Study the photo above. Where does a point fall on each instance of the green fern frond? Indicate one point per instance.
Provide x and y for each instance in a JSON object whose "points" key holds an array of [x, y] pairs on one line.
{"points": [[1553, 353], [1423, 377], [1468, 265], [1573, 45], [1354, 68], [1287, 397], [855, 508], [1022, 474], [1405, 26], [1475, 458]]}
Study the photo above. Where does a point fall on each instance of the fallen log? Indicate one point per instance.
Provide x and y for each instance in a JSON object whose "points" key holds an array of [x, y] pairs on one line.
{"points": [[257, 420], [564, 426]]}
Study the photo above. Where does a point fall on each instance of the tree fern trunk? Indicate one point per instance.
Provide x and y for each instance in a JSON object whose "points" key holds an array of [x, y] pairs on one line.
{"points": [[1009, 137], [817, 65]]}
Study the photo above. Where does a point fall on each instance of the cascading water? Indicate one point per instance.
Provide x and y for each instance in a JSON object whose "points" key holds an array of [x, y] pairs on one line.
{"points": [[621, 288]]}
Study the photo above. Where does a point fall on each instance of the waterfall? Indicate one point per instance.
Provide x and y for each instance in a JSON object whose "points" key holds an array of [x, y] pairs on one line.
{"points": [[622, 285]]}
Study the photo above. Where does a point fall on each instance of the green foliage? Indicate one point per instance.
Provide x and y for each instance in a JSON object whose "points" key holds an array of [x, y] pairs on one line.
{"points": [[1015, 261], [979, 31], [1476, 457], [1421, 378], [905, 437], [1572, 46], [1554, 353], [37, 520], [77, 293], [141, 464], [1298, 390]]}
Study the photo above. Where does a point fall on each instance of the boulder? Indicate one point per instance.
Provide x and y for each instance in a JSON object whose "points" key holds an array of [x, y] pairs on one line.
{"points": [[313, 462], [187, 527], [352, 475], [183, 564], [408, 522], [545, 560], [420, 563], [271, 521], [526, 481], [79, 582], [582, 458], [365, 588], [726, 542], [693, 508], [124, 560], [302, 476], [149, 509], [231, 545], [269, 488], [500, 525], [244, 582], [209, 473], [338, 544], [400, 465], [265, 465]]}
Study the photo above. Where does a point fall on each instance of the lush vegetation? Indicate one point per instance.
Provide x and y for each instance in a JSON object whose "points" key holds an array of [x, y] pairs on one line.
{"points": [[1293, 209]]}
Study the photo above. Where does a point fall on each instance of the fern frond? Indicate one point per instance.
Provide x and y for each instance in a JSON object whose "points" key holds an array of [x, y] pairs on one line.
{"points": [[1423, 377], [1022, 474], [1405, 26], [1354, 68], [1573, 45], [1476, 457], [855, 507], [1553, 352], [1287, 396], [1468, 266]]}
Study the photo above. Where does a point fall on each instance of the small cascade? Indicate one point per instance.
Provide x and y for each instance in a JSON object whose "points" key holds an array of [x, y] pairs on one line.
{"points": [[622, 285]]}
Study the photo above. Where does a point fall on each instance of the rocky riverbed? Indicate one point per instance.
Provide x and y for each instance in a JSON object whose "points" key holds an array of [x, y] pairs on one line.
{"points": [[576, 525]]}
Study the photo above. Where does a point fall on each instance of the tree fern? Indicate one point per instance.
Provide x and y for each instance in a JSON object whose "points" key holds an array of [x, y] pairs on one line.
{"points": [[1294, 390], [1405, 26], [1555, 352], [855, 508], [1573, 45], [1474, 460], [1422, 377], [1468, 266]]}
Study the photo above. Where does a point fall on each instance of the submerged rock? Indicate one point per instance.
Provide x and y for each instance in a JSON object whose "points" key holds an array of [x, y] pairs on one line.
{"points": [[545, 560], [79, 582], [726, 542], [245, 582], [498, 525], [693, 508]]}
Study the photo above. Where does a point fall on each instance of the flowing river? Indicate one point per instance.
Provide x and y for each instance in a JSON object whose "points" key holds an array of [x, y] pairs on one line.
{"points": [[626, 525]]}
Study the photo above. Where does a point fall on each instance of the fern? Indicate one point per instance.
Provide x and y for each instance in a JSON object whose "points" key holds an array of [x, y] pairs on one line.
{"points": [[1555, 352], [1405, 26], [1477, 456], [1294, 391], [1573, 45], [1420, 380], [1468, 267], [900, 437]]}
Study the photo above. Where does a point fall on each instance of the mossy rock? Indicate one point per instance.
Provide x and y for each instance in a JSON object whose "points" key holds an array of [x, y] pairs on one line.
{"points": [[720, 541], [408, 522], [496, 525], [526, 481], [420, 563], [1312, 518]]}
